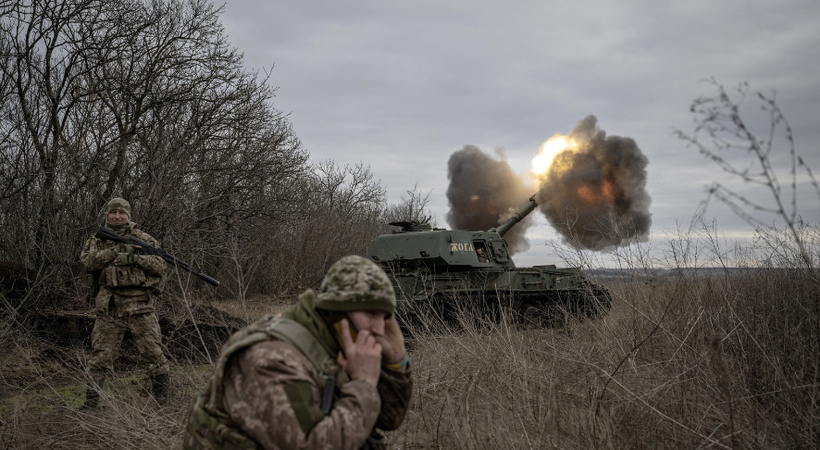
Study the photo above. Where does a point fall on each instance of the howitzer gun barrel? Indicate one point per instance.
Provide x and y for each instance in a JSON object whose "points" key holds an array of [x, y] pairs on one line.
{"points": [[519, 215]]}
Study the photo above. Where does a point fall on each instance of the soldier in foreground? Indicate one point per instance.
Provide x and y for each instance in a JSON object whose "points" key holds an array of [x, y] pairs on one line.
{"points": [[127, 285], [324, 374]]}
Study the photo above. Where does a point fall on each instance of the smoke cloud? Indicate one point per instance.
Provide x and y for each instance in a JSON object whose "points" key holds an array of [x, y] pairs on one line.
{"points": [[483, 192], [594, 194]]}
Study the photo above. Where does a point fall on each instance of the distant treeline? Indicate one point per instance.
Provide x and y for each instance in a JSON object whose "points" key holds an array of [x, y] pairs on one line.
{"points": [[684, 272]]}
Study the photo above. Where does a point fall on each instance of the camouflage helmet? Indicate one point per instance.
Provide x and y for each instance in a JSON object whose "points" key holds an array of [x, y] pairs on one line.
{"points": [[354, 283], [119, 203]]}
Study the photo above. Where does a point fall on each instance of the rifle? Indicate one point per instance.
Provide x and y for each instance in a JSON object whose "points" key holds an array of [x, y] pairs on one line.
{"points": [[148, 249]]}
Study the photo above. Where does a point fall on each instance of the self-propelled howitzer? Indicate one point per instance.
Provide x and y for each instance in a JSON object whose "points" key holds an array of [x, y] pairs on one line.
{"points": [[452, 270]]}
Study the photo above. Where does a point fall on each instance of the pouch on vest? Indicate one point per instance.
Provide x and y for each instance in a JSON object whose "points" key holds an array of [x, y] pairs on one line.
{"points": [[122, 276], [207, 431]]}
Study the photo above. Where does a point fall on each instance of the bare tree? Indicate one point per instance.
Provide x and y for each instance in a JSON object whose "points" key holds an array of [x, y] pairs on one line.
{"points": [[145, 99], [41, 66], [720, 128], [412, 206], [339, 213], [140, 99]]}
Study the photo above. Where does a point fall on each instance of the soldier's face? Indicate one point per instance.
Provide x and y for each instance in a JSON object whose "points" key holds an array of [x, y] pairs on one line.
{"points": [[372, 321], [117, 217]]}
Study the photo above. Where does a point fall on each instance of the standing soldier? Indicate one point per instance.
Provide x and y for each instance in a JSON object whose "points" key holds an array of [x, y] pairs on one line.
{"points": [[127, 285], [324, 374]]}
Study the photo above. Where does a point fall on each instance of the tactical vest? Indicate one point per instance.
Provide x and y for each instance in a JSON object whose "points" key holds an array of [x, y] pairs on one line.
{"points": [[208, 425], [131, 276], [122, 276]]}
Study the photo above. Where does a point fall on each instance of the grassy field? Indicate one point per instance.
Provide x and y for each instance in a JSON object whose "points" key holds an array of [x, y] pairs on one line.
{"points": [[713, 359], [682, 363]]}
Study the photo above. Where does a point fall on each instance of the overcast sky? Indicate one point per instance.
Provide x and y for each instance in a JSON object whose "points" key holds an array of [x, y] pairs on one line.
{"points": [[402, 85]]}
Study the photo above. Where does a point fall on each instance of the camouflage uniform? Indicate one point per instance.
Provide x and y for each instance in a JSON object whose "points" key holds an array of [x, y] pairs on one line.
{"points": [[267, 390], [126, 297]]}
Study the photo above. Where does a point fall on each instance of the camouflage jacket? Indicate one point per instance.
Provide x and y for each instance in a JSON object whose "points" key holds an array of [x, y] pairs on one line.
{"points": [[132, 288], [272, 393]]}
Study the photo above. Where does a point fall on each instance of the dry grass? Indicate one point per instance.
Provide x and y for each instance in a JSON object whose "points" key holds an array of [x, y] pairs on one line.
{"points": [[254, 307], [42, 410], [725, 359]]}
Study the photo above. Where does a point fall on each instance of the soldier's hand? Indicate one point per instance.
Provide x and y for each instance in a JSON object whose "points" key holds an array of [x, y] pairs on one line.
{"points": [[361, 359], [127, 257], [108, 255], [392, 342]]}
